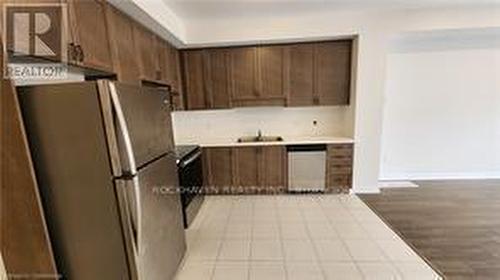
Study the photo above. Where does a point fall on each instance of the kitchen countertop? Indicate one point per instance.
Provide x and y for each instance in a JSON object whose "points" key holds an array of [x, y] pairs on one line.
{"points": [[287, 140]]}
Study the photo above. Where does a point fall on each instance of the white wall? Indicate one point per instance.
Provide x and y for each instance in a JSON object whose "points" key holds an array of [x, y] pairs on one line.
{"points": [[442, 109], [198, 126], [157, 16]]}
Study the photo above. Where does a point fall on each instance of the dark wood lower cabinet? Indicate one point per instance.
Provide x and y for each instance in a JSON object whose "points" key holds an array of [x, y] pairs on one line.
{"points": [[264, 169], [24, 240], [245, 170], [339, 168], [218, 170], [273, 169]]}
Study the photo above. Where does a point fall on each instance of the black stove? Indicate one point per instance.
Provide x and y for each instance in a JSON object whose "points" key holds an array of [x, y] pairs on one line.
{"points": [[190, 170], [181, 151]]}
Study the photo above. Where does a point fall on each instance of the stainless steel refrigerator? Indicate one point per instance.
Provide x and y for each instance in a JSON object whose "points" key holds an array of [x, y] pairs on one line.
{"points": [[104, 160]]}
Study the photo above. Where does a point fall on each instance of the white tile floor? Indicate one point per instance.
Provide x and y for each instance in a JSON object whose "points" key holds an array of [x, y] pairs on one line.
{"points": [[295, 237]]}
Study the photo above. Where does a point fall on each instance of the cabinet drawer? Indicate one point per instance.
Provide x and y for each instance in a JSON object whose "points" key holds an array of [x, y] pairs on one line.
{"points": [[340, 160], [340, 146], [340, 169], [340, 152], [339, 181]]}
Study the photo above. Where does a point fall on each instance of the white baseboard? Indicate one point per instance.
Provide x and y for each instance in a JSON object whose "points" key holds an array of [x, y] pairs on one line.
{"points": [[396, 184], [440, 176], [367, 191]]}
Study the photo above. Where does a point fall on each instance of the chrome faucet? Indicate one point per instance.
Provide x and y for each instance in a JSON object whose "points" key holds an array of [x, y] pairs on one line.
{"points": [[259, 134]]}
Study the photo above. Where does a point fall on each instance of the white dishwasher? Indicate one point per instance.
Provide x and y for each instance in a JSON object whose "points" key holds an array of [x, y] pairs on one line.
{"points": [[306, 168]]}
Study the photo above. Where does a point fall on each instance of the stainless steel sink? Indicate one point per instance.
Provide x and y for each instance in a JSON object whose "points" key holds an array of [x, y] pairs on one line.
{"points": [[249, 139]]}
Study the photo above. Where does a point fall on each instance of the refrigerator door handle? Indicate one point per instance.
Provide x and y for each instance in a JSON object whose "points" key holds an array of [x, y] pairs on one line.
{"points": [[133, 193], [129, 226], [122, 125]]}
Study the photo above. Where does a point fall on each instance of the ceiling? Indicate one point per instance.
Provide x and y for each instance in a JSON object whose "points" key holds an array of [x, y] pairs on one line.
{"points": [[195, 9]]}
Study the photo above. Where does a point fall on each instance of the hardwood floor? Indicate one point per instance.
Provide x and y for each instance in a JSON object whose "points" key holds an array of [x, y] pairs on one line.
{"points": [[455, 225]]}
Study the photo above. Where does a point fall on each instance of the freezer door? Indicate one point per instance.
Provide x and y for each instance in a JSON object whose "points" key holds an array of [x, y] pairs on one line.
{"points": [[154, 221], [138, 124]]}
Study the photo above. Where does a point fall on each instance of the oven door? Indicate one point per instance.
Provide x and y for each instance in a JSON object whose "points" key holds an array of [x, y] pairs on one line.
{"points": [[191, 183]]}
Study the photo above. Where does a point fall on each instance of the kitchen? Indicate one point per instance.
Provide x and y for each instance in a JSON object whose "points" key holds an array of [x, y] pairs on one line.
{"points": [[266, 142]]}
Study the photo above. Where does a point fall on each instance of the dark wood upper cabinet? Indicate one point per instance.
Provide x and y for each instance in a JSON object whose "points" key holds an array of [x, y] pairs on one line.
{"points": [[270, 69], [194, 79], [301, 74], [122, 47], [206, 77], [163, 52], [300, 70], [169, 71], [168, 63], [146, 54], [243, 73], [90, 44], [217, 78], [257, 76], [175, 78], [333, 72], [173, 72]]}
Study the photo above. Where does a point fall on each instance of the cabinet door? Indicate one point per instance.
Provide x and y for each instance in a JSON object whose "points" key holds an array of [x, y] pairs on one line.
{"points": [[217, 79], [333, 72], [175, 78], [220, 169], [168, 61], [273, 171], [90, 34], [173, 68], [122, 46], [147, 56], [243, 72], [300, 75], [25, 245], [246, 167], [270, 70], [193, 75], [163, 51]]}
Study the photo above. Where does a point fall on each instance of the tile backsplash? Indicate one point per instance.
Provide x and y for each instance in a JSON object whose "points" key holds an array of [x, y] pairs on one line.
{"points": [[287, 122]]}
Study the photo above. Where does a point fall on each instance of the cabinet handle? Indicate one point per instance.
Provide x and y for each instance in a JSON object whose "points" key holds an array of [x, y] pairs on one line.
{"points": [[82, 54], [79, 55], [316, 101]]}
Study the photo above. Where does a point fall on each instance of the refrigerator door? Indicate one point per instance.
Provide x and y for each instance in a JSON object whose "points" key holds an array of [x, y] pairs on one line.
{"points": [[67, 140], [138, 124], [154, 220]]}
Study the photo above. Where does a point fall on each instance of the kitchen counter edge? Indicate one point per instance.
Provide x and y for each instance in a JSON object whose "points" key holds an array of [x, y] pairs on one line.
{"points": [[285, 142]]}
